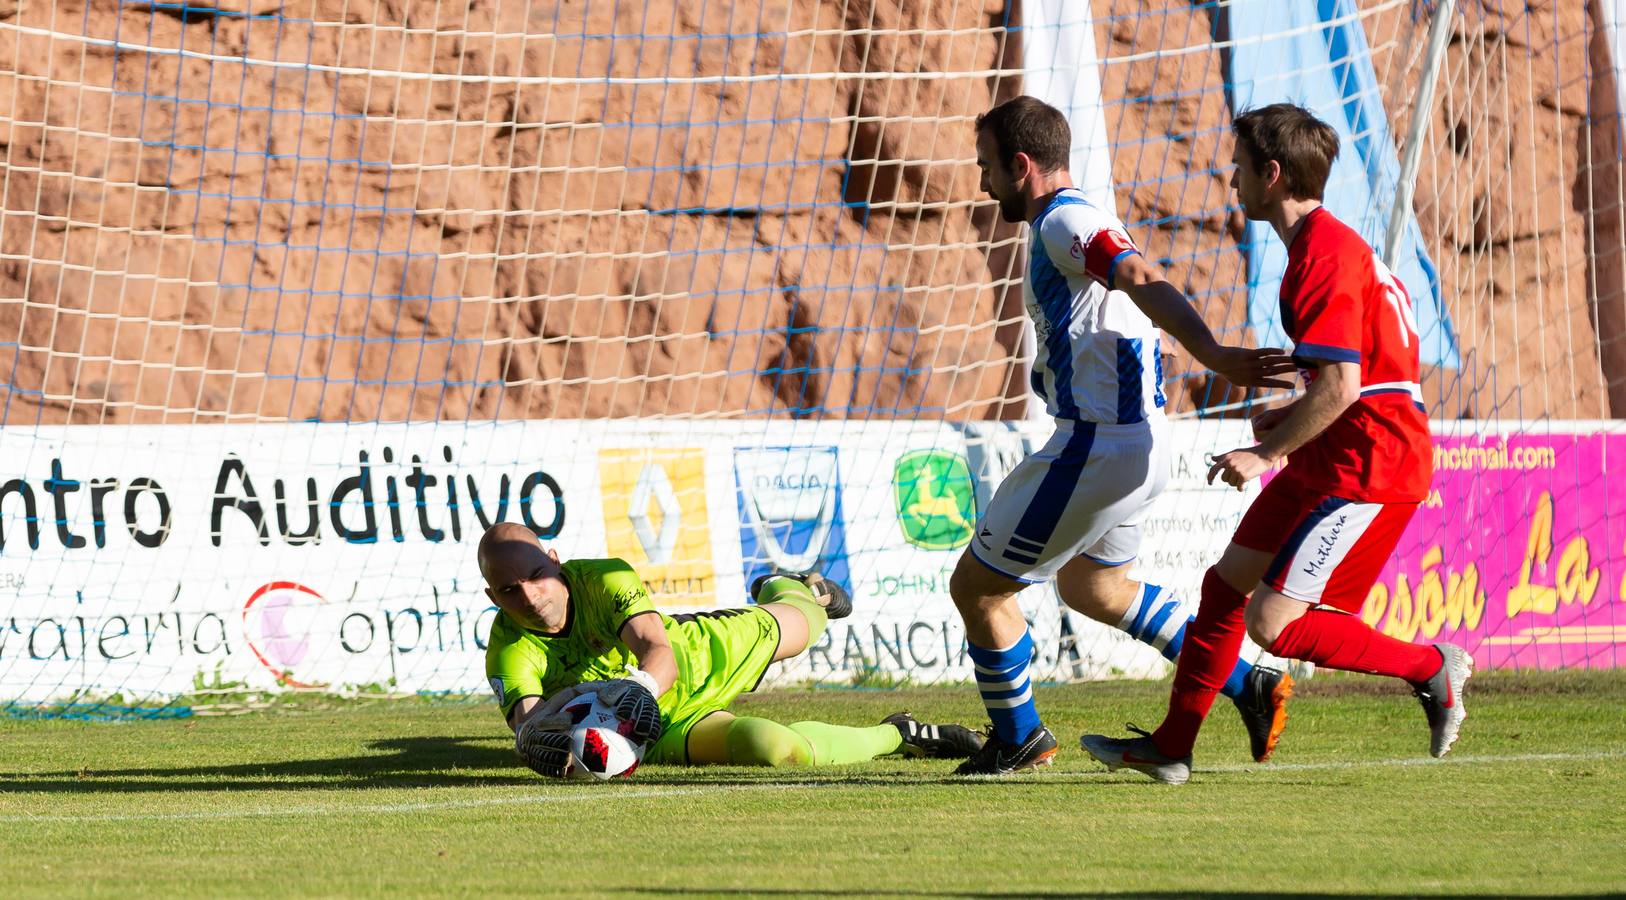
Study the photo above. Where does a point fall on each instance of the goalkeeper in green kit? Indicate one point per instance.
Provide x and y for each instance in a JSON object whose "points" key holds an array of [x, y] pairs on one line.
{"points": [[564, 629]]}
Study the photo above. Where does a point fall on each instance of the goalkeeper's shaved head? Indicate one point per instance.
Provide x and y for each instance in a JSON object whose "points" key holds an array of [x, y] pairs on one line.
{"points": [[522, 579], [510, 552]]}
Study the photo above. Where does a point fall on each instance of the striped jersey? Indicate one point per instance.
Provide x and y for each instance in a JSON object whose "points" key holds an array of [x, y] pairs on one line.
{"points": [[1098, 357]]}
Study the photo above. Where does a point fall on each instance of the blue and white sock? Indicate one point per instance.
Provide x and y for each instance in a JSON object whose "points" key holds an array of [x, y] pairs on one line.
{"points": [[1007, 692], [1156, 617]]}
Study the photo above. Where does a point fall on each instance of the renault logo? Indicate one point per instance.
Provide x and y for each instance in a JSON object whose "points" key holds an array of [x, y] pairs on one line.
{"points": [[654, 488]]}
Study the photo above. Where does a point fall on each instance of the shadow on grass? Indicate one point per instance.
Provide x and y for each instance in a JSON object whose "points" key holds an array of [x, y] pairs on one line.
{"points": [[422, 762], [398, 763], [484, 761]]}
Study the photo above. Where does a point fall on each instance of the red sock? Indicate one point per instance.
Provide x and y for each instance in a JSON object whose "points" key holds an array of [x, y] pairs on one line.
{"points": [[1213, 640], [1339, 640]]}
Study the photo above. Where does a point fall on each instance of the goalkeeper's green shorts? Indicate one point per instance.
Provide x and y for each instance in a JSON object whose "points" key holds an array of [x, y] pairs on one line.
{"points": [[720, 655]]}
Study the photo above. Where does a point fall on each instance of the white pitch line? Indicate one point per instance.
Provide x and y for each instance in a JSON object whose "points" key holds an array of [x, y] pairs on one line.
{"points": [[870, 781], [418, 806], [1413, 761]]}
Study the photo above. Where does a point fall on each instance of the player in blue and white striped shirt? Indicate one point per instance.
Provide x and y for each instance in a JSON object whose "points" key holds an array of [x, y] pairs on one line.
{"points": [[1073, 510]]}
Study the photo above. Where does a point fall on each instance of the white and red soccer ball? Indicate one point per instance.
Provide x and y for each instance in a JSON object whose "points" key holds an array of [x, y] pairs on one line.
{"points": [[599, 746]]}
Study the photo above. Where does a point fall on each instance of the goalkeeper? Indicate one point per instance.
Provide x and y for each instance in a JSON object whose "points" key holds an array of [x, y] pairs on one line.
{"points": [[588, 625]]}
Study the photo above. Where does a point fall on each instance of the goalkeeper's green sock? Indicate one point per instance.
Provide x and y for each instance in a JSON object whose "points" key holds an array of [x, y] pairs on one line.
{"points": [[763, 742], [834, 745], [753, 741]]}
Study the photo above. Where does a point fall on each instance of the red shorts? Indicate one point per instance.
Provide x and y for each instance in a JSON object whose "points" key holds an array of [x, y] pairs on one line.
{"points": [[1328, 550]]}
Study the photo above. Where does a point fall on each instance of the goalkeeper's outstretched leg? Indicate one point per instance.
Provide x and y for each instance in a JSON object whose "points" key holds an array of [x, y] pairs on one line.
{"points": [[725, 739], [801, 606]]}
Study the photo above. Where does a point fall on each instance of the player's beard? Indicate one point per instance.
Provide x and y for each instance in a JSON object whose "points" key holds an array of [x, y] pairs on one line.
{"points": [[1012, 209]]}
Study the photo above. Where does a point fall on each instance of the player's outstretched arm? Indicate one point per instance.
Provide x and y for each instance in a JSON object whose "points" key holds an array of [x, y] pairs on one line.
{"points": [[645, 636], [1336, 386], [1145, 283], [1266, 422]]}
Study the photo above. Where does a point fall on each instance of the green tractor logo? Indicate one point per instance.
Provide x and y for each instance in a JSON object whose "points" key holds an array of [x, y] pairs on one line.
{"points": [[937, 508]]}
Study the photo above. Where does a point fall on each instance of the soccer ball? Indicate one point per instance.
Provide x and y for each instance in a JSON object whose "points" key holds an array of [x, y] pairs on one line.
{"points": [[598, 747]]}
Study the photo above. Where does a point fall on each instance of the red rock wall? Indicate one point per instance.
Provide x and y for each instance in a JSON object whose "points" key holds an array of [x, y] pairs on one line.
{"points": [[1605, 203], [1522, 220], [190, 238], [1504, 202]]}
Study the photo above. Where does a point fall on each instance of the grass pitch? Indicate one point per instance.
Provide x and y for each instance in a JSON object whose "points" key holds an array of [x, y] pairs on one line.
{"points": [[412, 798]]}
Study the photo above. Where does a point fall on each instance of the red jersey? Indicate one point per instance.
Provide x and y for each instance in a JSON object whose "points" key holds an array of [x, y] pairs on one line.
{"points": [[1341, 304]]}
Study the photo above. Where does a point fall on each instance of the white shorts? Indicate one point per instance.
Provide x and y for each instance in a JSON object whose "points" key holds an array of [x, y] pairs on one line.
{"points": [[1084, 493]]}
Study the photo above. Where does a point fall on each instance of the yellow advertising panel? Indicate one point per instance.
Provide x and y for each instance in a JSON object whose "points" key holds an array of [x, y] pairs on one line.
{"points": [[655, 519]]}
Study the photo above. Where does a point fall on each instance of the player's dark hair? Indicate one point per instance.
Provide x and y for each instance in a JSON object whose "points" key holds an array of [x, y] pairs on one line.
{"points": [[1029, 125], [1303, 145]]}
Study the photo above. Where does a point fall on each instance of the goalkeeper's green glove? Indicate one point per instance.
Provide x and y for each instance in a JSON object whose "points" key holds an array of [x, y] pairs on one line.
{"points": [[546, 751], [633, 699]]}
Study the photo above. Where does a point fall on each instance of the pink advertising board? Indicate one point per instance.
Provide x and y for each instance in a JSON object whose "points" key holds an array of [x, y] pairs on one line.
{"points": [[1519, 554]]}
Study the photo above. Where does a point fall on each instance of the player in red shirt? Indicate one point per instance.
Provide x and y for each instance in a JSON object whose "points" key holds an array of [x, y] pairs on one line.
{"points": [[1359, 460]]}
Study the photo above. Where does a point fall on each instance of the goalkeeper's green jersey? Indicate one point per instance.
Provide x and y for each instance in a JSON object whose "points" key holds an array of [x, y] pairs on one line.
{"points": [[720, 654], [604, 594]]}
